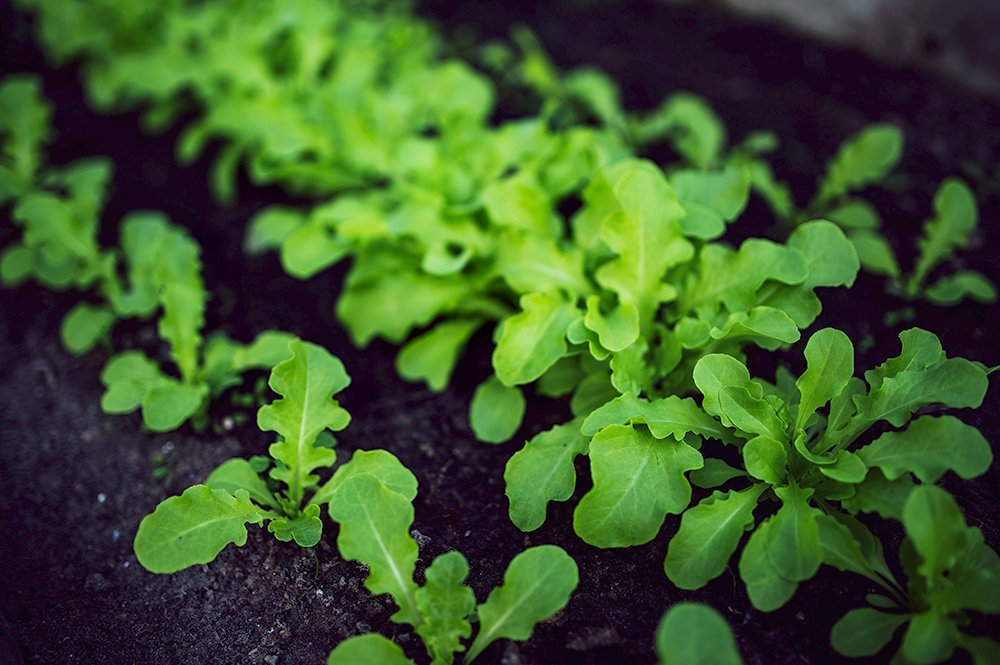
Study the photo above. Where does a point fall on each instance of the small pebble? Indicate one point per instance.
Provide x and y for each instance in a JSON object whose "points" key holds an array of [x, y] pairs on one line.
{"points": [[101, 498]]}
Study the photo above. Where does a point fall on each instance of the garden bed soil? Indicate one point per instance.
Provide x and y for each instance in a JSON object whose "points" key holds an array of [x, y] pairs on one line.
{"points": [[74, 483]]}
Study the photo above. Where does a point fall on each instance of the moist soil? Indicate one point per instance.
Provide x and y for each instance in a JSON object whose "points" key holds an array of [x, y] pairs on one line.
{"points": [[74, 483]]}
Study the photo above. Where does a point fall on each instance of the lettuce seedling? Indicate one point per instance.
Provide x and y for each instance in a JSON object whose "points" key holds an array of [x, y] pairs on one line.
{"points": [[695, 634], [950, 571], [195, 526], [811, 464], [375, 520], [24, 132]]}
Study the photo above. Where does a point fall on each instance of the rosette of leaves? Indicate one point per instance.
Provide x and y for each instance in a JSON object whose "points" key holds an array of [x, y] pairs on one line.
{"points": [[657, 314], [284, 489], [950, 572], [813, 465], [375, 520]]}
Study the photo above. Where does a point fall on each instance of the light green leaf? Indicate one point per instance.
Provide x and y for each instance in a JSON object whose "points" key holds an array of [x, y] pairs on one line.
{"points": [[953, 289], [847, 468], [370, 649], [538, 583], [543, 471], [671, 416], [532, 340], [237, 474], [750, 414], [127, 377], [84, 327], [766, 458], [695, 634], [168, 403], [956, 216], [269, 228], [767, 327], [645, 235], [717, 371], [381, 465], [375, 530], [496, 411], [307, 382], [431, 357], [711, 199], [691, 126], [709, 534], [305, 529], [793, 544], [864, 632], [935, 525], [829, 366], [877, 494], [714, 474], [874, 252], [445, 603], [767, 589], [638, 479], [617, 329], [930, 638], [928, 448], [193, 528], [864, 159]]}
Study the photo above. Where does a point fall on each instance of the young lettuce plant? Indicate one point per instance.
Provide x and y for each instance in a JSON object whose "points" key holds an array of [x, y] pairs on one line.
{"points": [[665, 310], [812, 465], [375, 520], [950, 571], [194, 527]]}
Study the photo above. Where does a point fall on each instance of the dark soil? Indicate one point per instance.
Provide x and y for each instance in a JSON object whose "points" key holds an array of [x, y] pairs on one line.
{"points": [[75, 483]]}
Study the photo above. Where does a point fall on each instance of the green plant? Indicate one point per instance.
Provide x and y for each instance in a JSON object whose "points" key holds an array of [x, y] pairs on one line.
{"points": [[537, 584], [950, 572], [812, 464]]}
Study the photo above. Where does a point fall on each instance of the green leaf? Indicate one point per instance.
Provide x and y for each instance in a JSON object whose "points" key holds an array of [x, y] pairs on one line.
{"points": [[874, 252], [767, 327], [531, 341], [307, 382], [375, 530], [767, 589], [793, 544], [445, 603], [864, 632], [708, 535], [877, 494], [496, 411], [616, 330], [766, 459], [847, 468], [269, 228], [646, 238], [829, 366], [717, 371], [193, 528], [844, 552], [237, 474], [538, 583], [370, 649], [638, 479], [543, 471], [431, 357], [127, 377], [670, 416], [691, 126], [305, 529], [864, 159], [956, 216], [84, 327], [928, 448], [930, 638], [379, 464], [936, 527], [711, 199], [953, 289], [714, 474], [751, 414], [169, 403], [695, 634]]}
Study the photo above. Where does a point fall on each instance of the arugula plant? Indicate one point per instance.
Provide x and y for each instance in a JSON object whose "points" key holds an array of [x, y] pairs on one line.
{"points": [[695, 634], [950, 571], [814, 466], [194, 527], [374, 529]]}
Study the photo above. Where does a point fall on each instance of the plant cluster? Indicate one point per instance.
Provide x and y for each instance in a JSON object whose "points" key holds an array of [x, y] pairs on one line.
{"points": [[602, 277]]}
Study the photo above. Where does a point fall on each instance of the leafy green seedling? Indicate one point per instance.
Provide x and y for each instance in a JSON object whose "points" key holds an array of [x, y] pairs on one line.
{"points": [[950, 571], [194, 527], [811, 463], [24, 132], [695, 634], [375, 521]]}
